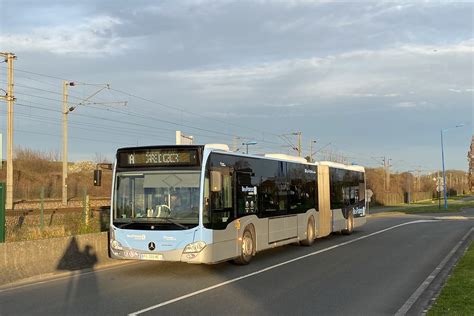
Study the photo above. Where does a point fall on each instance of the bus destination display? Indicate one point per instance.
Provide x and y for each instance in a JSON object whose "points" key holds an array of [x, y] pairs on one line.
{"points": [[158, 158]]}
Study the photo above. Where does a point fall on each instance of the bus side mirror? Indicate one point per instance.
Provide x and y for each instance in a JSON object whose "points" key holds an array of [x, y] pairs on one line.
{"points": [[97, 178], [216, 181]]}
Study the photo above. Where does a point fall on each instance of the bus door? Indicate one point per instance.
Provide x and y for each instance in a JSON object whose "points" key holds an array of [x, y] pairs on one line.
{"points": [[324, 222], [223, 213], [283, 224]]}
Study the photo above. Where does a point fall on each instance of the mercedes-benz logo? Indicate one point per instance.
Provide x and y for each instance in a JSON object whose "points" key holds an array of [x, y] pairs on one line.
{"points": [[151, 246]]}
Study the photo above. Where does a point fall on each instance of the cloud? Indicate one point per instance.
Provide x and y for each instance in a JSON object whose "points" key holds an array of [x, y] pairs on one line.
{"points": [[270, 65], [412, 71], [407, 104], [460, 90], [94, 37]]}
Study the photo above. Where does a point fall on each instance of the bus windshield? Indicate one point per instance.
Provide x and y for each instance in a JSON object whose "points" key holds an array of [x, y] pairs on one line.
{"points": [[157, 196]]}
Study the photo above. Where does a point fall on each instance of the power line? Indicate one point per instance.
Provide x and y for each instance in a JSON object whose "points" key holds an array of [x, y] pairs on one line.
{"points": [[59, 136], [102, 119], [187, 111], [290, 144], [138, 115], [181, 110], [46, 119], [150, 118]]}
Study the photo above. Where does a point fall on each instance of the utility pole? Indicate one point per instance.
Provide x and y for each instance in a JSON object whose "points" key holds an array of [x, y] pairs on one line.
{"points": [[384, 175], [9, 97], [235, 140], [66, 84], [298, 148], [386, 169], [311, 150], [418, 179], [66, 111], [299, 145]]}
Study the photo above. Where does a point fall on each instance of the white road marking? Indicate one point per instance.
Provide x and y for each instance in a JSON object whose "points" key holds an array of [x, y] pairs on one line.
{"points": [[180, 298], [453, 217], [419, 291]]}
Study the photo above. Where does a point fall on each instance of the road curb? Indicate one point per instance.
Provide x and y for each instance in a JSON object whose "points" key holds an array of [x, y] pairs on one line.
{"points": [[445, 216], [426, 294]]}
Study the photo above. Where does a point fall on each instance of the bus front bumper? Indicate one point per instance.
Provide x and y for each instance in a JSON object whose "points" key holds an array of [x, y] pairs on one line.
{"points": [[196, 255]]}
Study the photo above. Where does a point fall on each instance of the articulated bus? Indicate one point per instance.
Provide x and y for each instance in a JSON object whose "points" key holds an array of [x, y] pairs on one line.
{"points": [[206, 204]]}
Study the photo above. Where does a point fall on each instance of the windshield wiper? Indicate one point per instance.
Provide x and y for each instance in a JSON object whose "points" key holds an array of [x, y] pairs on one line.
{"points": [[172, 221], [167, 219], [122, 225]]}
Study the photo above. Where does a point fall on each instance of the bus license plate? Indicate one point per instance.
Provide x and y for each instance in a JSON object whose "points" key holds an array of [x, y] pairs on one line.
{"points": [[151, 256]]}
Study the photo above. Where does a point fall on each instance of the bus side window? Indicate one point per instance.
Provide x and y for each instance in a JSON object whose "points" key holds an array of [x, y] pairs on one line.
{"points": [[361, 188], [227, 190]]}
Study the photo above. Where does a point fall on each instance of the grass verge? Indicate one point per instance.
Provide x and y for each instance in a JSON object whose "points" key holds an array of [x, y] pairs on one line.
{"points": [[454, 205], [457, 297]]}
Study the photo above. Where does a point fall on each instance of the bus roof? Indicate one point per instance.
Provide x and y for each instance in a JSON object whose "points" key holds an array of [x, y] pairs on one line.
{"points": [[223, 148], [341, 166]]}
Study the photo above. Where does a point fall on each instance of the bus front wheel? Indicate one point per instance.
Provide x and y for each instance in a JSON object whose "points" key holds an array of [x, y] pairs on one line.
{"points": [[246, 249]]}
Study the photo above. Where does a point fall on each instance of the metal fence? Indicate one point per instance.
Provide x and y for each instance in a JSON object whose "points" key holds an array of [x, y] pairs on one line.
{"points": [[400, 198], [46, 218]]}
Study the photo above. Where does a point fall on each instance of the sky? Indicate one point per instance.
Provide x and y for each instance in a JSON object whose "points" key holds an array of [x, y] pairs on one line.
{"points": [[365, 80]]}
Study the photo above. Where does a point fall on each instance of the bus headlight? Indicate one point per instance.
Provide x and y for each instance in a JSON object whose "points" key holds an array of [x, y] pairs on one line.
{"points": [[116, 245], [194, 247]]}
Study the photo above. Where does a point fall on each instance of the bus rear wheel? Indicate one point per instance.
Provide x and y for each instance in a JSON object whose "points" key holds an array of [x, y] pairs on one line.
{"points": [[310, 233], [350, 225], [246, 249]]}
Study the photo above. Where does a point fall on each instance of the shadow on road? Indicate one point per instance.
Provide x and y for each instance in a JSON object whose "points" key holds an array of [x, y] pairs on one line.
{"points": [[77, 261]]}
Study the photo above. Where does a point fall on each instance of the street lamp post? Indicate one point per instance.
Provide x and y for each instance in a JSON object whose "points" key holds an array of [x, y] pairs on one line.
{"points": [[247, 145], [442, 162]]}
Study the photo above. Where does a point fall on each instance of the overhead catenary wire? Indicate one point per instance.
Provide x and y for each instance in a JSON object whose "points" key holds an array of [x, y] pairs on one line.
{"points": [[150, 118], [151, 129], [101, 119], [117, 130], [146, 117], [44, 108], [153, 102], [266, 143]]}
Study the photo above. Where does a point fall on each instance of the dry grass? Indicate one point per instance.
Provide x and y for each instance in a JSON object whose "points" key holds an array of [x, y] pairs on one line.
{"points": [[27, 227], [34, 170]]}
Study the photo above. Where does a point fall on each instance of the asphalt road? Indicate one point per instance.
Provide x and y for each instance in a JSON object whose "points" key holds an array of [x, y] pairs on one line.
{"points": [[371, 272]]}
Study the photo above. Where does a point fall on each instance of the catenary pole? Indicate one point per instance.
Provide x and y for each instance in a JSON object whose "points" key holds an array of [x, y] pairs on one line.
{"points": [[9, 97]]}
